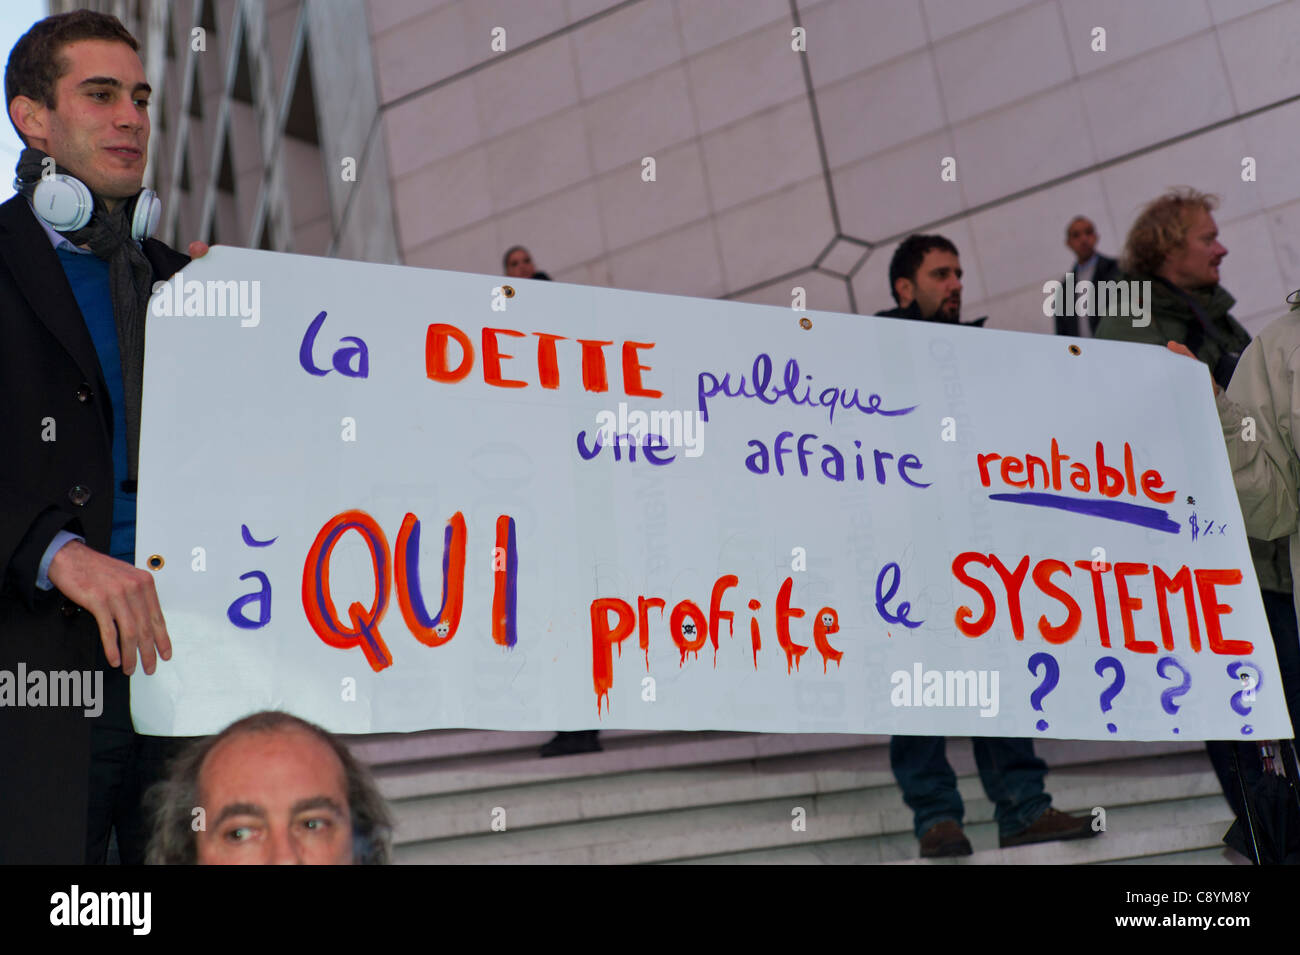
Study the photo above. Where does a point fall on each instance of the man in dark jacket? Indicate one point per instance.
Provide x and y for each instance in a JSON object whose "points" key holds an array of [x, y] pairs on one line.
{"points": [[1090, 266], [1174, 244], [72, 308], [925, 279]]}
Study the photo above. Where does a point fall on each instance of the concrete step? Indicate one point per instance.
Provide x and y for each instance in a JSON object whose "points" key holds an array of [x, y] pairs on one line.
{"points": [[1218, 855], [1182, 832], [855, 852], [715, 797], [397, 748], [497, 767], [656, 837], [796, 777], [1132, 832], [1156, 793], [498, 770], [575, 800], [394, 750], [1163, 781]]}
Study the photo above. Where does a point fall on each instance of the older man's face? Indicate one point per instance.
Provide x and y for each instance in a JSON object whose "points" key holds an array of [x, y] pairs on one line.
{"points": [[274, 798]]}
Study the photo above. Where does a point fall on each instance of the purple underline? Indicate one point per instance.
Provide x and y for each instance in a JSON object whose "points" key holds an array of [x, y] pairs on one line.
{"points": [[1138, 514]]}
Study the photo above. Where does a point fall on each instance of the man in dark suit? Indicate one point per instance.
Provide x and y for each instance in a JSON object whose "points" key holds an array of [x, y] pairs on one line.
{"points": [[1091, 266], [72, 309]]}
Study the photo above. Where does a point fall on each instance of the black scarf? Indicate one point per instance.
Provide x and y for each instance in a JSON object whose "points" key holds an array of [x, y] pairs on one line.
{"points": [[130, 277]]}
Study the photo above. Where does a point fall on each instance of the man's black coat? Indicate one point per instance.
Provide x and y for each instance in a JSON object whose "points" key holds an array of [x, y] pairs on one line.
{"points": [[1107, 270], [913, 312], [51, 385]]}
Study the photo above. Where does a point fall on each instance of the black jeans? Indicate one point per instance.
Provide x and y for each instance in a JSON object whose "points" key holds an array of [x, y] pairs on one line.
{"points": [[123, 765]]}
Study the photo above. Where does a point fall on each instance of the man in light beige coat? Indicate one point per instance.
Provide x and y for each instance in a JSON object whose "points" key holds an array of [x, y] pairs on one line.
{"points": [[1260, 416]]}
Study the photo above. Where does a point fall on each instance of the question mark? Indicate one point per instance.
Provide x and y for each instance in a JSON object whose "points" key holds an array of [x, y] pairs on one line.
{"points": [[1168, 696], [1052, 675], [1243, 700], [1112, 691]]}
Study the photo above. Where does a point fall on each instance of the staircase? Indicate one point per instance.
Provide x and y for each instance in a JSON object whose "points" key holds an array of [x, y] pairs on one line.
{"points": [[716, 797]]}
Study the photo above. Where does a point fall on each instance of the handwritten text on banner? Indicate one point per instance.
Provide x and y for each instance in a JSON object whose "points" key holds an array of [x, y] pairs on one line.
{"points": [[397, 499]]}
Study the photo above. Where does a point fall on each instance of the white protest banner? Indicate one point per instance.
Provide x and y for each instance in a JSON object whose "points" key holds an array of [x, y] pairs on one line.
{"points": [[391, 499]]}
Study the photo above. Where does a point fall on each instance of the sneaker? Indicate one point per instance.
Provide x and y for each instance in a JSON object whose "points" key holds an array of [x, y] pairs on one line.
{"points": [[1051, 826], [569, 744], [944, 839]]}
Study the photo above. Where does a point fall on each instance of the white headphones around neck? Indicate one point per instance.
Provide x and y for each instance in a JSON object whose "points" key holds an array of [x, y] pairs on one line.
{"points": [[67, 204]]}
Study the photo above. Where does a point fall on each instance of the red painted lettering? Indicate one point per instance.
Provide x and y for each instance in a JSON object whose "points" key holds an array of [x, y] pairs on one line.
{"points": [[1043, 571], [492, 358], [435, 353]]}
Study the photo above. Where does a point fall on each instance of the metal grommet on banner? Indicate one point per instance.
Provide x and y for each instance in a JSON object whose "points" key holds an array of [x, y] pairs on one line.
{"points": [[155, 562], [805, 322], [1076, 350], [509, 291]]}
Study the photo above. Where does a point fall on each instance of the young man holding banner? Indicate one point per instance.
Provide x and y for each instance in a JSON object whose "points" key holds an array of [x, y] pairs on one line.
{"points": [[77, 268]]}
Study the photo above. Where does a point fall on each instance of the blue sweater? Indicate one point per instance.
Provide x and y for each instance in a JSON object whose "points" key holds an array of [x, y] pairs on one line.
{"points": [[88, 276]]}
